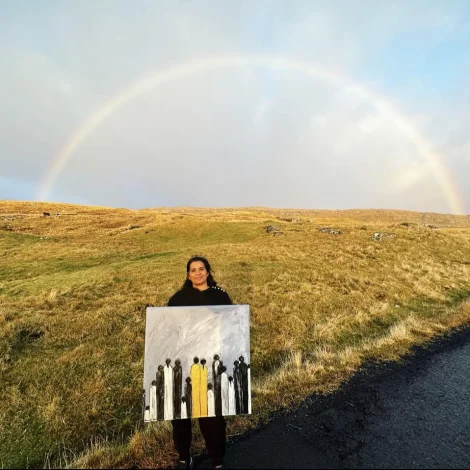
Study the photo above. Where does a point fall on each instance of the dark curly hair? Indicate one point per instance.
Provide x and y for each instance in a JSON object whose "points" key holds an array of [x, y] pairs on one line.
{"points": [[210, 279]]}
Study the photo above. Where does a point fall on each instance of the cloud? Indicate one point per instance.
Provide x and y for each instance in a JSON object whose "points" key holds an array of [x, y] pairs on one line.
{"points": [[370, 124], [65, 87], [261, 111], [226, 137]]}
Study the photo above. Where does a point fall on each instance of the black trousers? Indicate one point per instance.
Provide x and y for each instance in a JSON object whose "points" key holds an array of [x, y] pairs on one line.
{"points": [[213, 431]]}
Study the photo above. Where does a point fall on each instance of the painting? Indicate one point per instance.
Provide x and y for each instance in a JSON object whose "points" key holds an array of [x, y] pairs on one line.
{"points": [[197, 362]]}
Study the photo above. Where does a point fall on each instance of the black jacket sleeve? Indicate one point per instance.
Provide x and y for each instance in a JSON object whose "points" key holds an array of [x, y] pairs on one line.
{"points": [[226, 299], [173, 302]]}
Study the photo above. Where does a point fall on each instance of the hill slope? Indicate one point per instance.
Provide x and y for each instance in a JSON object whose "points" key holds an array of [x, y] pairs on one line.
{"points": [[74, 285]]}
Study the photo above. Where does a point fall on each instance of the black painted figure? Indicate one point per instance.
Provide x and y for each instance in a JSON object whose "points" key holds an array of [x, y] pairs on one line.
{"points": [[244, 373], [203, 388], [249, 388], [177, 388], [216, 380], [188, 394], [237, 376], [143, 401], [160, 379]]}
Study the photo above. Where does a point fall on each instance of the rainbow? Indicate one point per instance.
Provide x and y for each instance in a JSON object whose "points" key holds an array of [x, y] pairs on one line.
{"points": [[159, 77]]}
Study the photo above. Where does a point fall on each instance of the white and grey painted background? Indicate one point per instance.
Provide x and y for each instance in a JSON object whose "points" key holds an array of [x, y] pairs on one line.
{"points": [[185, 332]]}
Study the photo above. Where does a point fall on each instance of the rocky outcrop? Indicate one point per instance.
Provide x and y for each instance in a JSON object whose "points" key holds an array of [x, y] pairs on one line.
{"points": [[331, 231], [272, 229], [379, 236]]}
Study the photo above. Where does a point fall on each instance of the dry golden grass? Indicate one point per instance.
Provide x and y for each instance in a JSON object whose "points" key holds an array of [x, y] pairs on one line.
{"points": [[73, 290]]}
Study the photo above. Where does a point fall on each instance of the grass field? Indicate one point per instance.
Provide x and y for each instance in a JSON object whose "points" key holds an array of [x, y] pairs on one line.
{"points": [[74, 285]]}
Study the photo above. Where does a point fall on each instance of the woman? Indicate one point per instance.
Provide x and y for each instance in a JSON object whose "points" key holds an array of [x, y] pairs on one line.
{"points": [[200, 288]]}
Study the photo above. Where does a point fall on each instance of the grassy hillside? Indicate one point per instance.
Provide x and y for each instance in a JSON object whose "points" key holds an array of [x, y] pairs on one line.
{"points": [[74, 285]]}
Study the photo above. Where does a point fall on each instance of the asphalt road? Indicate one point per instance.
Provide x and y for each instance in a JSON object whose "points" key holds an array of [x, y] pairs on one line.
{"points": [[410, 415]]}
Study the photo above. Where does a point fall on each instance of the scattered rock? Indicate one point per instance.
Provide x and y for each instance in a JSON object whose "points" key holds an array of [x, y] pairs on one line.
{"points": [[33, 335], [44, 238], [46, 214], [132, 227], [273, 229], [331, 231], [434, 227], [379, 236]]}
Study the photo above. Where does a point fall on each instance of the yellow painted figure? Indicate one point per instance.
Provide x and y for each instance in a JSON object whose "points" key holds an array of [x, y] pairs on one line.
{"points": [[196, 391], [203, 388]]}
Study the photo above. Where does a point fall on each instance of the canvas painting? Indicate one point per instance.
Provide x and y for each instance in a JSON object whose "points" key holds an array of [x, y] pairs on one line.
{"points": [[197, 362]]}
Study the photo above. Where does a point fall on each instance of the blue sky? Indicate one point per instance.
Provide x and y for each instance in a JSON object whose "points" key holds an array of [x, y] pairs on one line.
{"points": [[275, 137], [440, 65]]}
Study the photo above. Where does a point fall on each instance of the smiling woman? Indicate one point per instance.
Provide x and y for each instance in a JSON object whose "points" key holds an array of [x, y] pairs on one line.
{"points": [[443, 177], [199, 288]]}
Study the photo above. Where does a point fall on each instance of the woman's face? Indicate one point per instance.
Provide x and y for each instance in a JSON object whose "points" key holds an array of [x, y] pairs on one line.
{"points": [[198, 274]]}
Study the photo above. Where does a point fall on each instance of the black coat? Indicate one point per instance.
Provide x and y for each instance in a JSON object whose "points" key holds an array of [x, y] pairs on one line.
{"points": [[189, 297]]}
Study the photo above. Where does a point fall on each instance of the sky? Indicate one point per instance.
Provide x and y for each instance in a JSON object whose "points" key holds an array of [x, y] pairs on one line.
{"points": [[287, 104]]}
